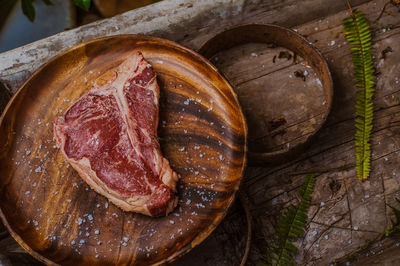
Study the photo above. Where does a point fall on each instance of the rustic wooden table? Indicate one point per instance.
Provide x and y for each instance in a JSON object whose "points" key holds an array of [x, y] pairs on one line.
{"points": [[339, 199]]}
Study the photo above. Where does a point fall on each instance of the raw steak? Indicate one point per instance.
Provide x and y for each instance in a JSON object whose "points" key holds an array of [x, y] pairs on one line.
{"points": [[110, 137]]}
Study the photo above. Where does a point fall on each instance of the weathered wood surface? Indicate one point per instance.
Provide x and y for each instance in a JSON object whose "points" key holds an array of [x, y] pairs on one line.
{"points": [[339, 198]]}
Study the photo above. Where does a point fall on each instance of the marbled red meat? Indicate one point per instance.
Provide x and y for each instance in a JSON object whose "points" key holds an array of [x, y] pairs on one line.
{"points": [[110, 137]]}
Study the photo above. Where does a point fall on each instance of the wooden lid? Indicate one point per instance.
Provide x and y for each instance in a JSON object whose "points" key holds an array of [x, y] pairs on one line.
{"points": [[289, 39]]}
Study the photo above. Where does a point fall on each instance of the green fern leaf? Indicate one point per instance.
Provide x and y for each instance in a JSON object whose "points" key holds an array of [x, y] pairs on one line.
{"points": [[291, 226], [395, 227], [358, 36]]}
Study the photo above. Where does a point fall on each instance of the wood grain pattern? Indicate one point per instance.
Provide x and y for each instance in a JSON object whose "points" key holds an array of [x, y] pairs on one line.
{"points": [[53, 214]]}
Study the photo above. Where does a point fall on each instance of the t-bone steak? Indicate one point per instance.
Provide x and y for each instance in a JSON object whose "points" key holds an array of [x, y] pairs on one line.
{"points": [[109, 136]]}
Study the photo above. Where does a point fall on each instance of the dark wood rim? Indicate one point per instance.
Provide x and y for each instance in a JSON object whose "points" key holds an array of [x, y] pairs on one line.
{"points": [[202, 236], [287, 38]]}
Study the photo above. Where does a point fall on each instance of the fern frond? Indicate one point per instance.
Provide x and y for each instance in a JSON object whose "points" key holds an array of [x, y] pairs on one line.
{"points": [[395, 227], [358, 35], [291, 226]]}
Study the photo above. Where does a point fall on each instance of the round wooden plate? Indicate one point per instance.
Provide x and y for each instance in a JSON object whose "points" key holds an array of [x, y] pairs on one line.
{"points": [[296, 109], [56, 217]]}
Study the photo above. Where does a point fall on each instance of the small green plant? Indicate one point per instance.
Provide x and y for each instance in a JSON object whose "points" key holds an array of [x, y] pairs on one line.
{"points": [[395, 227], [290, 227], [29, 9], [358, 35]]}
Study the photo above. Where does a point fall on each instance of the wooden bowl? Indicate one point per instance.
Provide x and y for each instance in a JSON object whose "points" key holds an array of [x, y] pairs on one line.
{"points": [[58, 219], [304, 108]]}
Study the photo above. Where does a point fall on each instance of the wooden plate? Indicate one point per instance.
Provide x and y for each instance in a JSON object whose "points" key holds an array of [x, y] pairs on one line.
{"points": [[298, 89], [56, 217]]}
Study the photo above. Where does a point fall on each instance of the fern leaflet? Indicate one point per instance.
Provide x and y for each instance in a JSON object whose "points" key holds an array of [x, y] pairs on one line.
{"points": [[358, 35], [291, 226], [395, 227]]}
